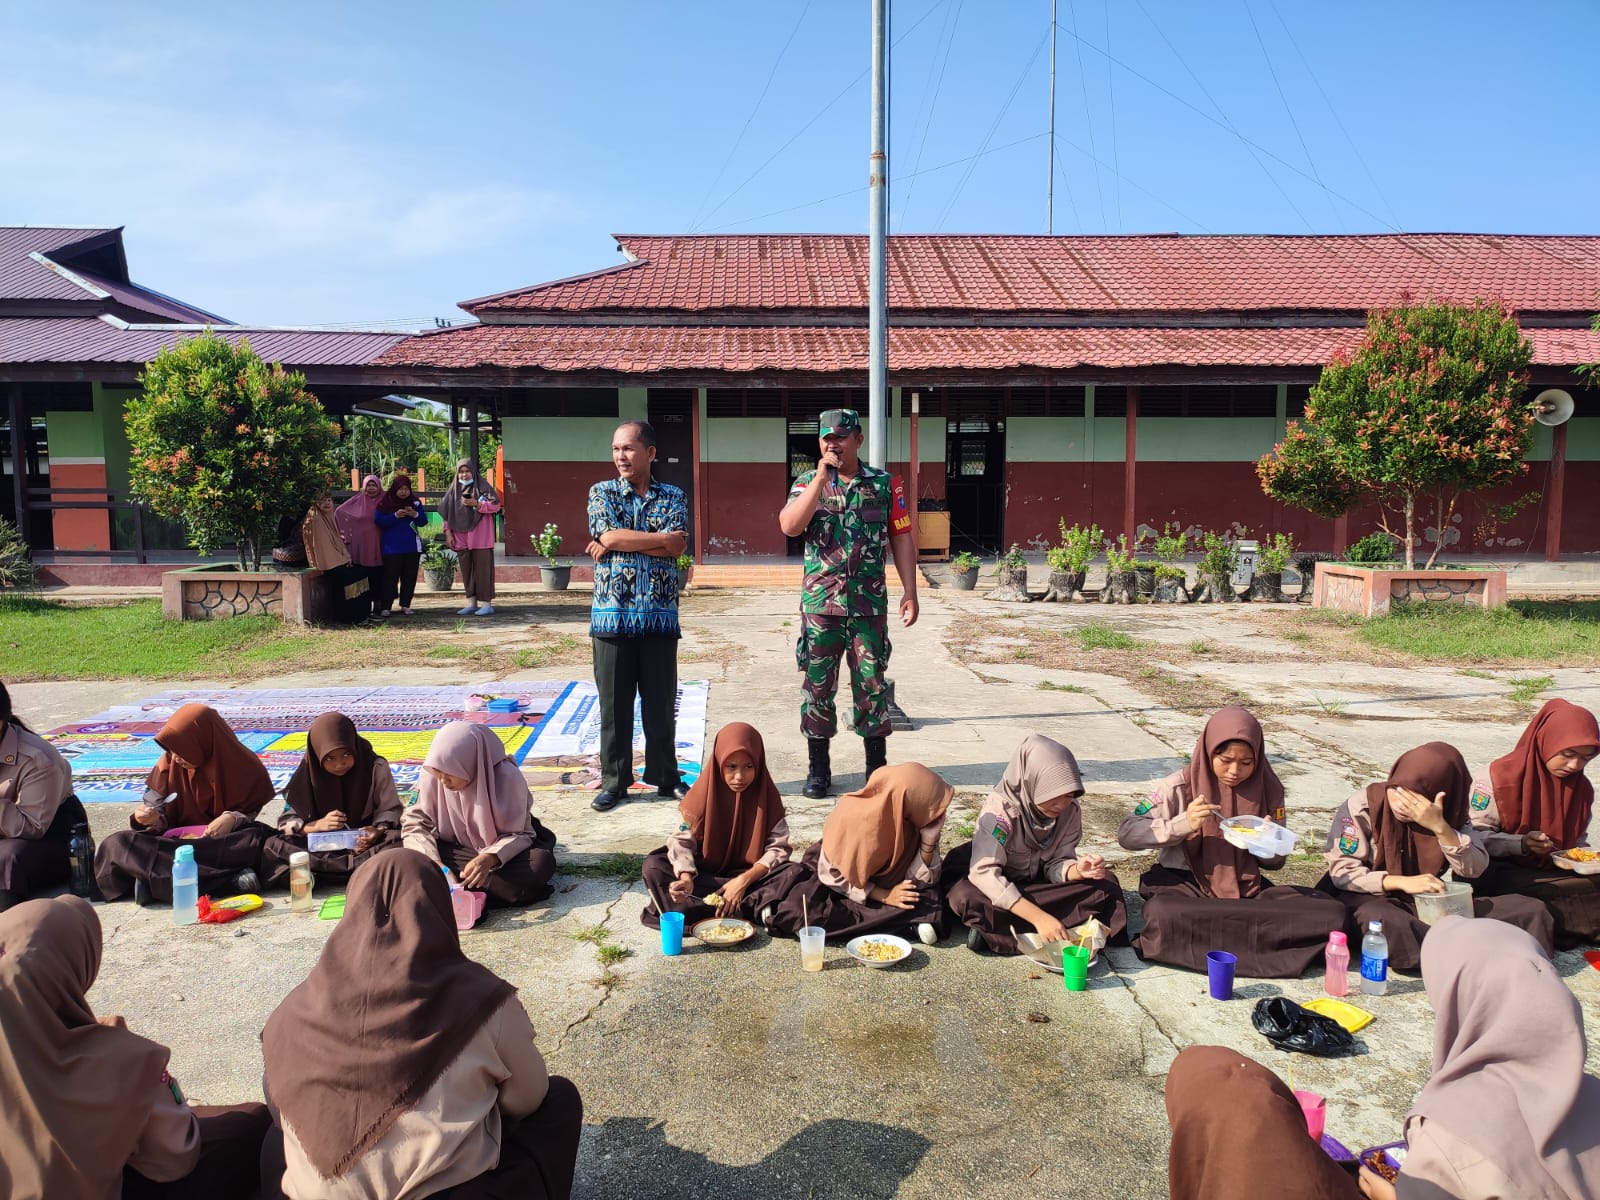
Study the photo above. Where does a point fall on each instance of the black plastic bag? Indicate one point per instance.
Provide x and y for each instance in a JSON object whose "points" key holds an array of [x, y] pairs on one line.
{"points": [[1289, 1027]]}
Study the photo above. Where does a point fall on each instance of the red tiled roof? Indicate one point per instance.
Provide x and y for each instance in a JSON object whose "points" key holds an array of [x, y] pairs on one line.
{"points": [[641, 349], [91, 339], [1168, 273]]}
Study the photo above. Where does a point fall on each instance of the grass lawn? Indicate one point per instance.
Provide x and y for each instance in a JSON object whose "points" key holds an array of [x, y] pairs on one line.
{"points": [[1548, 632], [42, 639]]}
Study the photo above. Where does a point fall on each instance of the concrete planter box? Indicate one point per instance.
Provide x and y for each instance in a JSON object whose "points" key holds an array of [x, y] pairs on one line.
{"points": [[1370, 591], [205, 593]]}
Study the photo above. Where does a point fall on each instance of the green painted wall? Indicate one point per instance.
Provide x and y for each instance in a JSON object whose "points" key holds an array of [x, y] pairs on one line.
{"points": [[109, 406], [1047, 439], [1106, 438], [75, 435], [930, 438], [558, 439], [633, 404], [1197, 439], [1583, 440], [743, 439]]}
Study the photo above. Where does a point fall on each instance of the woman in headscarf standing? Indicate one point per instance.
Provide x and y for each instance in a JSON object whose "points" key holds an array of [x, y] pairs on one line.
{"points": [[401, 1068], [360, 532], [1509, 1109], [1022, 863], [38, 810], [398, 517], [1206, 894], [1535, 802], [349, 589], [1391, 841], [205, 778], [90, 1109], [473, 816], [877, 865], [341, 784], [467, 507], [732, 839]]}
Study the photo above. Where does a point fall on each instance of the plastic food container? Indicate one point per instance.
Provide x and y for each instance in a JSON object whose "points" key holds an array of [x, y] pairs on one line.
{"points": [[1393, 1155], [1349, 1016], [1592, 867], [333, 839], [1455, 900], [1261, 837]]}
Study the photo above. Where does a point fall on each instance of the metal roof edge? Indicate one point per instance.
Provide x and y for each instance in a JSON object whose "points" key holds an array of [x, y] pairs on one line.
{"points": [[468, 305], [69, 275]]}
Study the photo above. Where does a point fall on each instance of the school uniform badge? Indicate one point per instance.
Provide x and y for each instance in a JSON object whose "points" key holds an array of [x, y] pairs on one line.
{"points": [[1002, 830], [1145, 805], [1480, 799], [1349, 839]]}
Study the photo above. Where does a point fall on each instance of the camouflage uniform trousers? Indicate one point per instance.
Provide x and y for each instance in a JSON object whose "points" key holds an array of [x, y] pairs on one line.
{"points": [[864, 643]]}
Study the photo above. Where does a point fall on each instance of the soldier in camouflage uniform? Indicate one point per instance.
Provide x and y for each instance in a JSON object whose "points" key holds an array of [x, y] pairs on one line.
{"points": [[850, 514]]}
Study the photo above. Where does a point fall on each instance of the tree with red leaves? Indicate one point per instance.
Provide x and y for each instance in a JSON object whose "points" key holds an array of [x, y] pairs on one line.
{"points": [[1427, 407]]}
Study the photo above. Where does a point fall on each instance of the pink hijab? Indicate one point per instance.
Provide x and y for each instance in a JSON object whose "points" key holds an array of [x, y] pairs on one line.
{"points": [[356, 526], [496, 801], [1508, 1058]]}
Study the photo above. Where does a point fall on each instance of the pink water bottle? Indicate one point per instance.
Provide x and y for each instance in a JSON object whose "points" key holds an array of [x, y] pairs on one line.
{"points": [[1337, 957]]}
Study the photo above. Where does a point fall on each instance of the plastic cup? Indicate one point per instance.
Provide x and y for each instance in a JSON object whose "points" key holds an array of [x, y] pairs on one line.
{"points": [[1315, 1109], [1219, 970], [672, 933], [1075, 968], [811, 938]]}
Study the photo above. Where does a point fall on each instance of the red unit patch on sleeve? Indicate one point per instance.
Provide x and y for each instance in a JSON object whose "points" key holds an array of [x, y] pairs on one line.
{"points": [[899, 510]]}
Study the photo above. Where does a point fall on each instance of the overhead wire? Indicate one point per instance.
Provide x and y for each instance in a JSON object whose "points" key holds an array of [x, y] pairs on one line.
{"points": [[1088, 117], [840, 95], [1289, 110], [1134, 184], [745, 128], [1111, 88], [927, 124]]}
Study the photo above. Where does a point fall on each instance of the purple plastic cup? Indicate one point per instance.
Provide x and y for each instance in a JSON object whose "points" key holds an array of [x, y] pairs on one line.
{"points": [[1219, 970]]}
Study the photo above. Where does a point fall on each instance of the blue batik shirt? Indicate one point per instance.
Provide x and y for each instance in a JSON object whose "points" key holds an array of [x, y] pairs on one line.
{"points": [[635, 595]]}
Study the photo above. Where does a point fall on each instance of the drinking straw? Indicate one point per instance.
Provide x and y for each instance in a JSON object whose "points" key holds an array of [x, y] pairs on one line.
{"points": [[805, 914], [660, 907]]}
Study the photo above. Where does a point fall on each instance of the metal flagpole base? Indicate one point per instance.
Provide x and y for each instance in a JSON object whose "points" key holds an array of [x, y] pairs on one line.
{"points": [[898, 721]]}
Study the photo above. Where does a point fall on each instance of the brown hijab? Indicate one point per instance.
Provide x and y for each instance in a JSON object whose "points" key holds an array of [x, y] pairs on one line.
{"points": [[1400, 847], [389, 1006], [1508, 1059], [325, 548], [457, 516], [871, 834], [78, 1094], [732, 829], [1525, 792], [1039, 771], [1237, 1130], [210, 769], [1222, 870], [314, 791]]}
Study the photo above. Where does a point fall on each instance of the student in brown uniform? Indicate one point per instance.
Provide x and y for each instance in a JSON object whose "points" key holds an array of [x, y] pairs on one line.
{"points": [[401, 1069], [37, 810], [1536, 801], [1206, 894], [473, 817], [90, 1111], [732, 841], [207, 777], [877, 865], [1022, 864], [340, 784], [1391, 841]]}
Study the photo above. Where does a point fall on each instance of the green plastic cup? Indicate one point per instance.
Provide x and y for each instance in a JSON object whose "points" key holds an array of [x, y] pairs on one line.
{"points": [[1075, 967]]}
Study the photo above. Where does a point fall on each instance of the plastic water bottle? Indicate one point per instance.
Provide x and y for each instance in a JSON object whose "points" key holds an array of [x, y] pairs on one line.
{"points": [[460, 903], [301, 883], [1337, 958], [1374, 961], [185, 888], [80, 849]]}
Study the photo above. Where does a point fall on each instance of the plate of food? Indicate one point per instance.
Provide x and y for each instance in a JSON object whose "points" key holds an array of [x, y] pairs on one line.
{"points": [[878, 949], [723, 931], [1261, 837], [1584, 862], [1048, 954], [186, 833], [1385, 1161]]}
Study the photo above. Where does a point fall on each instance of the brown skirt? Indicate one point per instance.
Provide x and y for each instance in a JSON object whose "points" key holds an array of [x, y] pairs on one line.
{"points": [[1279, 934], [659, 875], [334, 866], [130, 854], [1404, 932], [843, 917], [30, 865], [522, 881], [230, 1157], [1573, 900], [1070, 903]]}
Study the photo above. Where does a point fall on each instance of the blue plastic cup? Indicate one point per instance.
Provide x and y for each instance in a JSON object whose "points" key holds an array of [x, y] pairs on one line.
{"points": [[672, 933], [1219, 970]]}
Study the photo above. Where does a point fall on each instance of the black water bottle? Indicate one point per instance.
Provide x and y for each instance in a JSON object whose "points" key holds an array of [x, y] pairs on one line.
{"points": [[81, 850]]}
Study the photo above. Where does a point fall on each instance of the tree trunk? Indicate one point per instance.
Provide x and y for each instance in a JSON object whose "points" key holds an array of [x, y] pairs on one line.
{"points": [[1411, 533]]}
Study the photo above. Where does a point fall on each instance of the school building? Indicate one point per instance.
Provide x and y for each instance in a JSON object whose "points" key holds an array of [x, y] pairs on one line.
{"points": [[1129, 381]]}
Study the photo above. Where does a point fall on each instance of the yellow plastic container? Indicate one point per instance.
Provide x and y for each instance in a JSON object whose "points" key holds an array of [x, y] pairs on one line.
{"points": [[1348, 1015]]}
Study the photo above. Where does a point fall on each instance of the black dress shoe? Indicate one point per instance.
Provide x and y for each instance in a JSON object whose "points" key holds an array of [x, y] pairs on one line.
{"points": [[605, 802], [675, 792], [141, 893], [976, 942], [246, 881]]}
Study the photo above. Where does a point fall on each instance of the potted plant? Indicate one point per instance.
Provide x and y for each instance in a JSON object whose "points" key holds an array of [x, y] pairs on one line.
{"points": [[1305, 564], [439, 565], [1273, 556], [964, 571], [1121, 585], [1170, 579], [685, 570], [1214, 573], [1069, 562], [1011, 577], [553, 575]]}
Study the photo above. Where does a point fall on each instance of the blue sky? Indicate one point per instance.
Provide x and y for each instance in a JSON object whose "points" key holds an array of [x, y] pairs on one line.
{"points": [[342, 162]]}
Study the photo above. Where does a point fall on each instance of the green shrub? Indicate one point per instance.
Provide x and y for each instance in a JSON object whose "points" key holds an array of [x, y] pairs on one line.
{"points": [[1275, 553], [1013, 559], [1119, 557], [1220, 557], [16, 567], [1376, 547], [1079, 545], [964, 562], [1173, 543]]}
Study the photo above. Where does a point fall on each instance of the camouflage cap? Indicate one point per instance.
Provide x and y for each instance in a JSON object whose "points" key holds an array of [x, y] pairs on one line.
{"points": [[839, 420]]}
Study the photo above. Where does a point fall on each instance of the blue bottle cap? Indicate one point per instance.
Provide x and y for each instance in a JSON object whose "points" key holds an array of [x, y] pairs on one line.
{"points": [[185, 854]]}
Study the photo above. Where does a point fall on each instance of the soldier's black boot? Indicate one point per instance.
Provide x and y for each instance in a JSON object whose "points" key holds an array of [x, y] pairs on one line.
{"points": [[877, 754], [819, 773]]}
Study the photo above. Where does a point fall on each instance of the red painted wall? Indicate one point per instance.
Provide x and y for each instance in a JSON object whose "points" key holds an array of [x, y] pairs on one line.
{"points": [[539, 492], [742, 504], [80, 528], [1039, 495]]}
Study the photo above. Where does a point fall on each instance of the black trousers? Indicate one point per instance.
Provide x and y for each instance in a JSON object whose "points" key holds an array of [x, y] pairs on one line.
{"points": [[399, 581], [646, 667]]}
